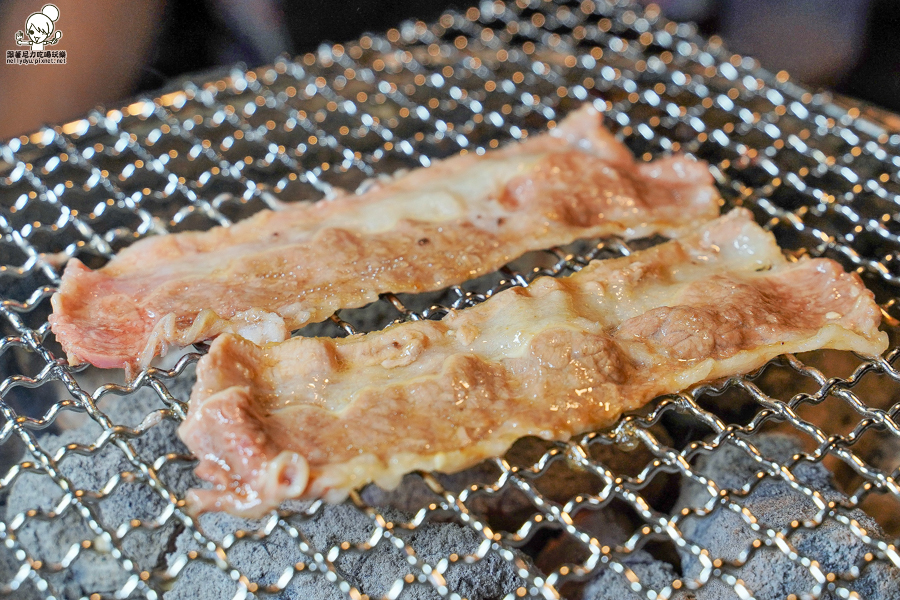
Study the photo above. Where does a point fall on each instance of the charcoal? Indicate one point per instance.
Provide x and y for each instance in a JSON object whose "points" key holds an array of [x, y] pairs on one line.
{"points": [[769, 574], [653, 574], [262, 561], [411, 495], [95, 570], [609, 526], [375, 570], [9, 568]]}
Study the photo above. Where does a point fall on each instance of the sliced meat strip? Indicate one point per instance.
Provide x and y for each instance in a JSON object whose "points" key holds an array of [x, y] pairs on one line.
{"points": [[425, 230], [317, 417]]}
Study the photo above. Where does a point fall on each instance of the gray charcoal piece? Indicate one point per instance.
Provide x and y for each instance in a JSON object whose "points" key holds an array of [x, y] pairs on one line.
{"points": [[374, 571], [9, 568], [651, 573], [96, 570], [613, 528], [769, 574], [609, 526]]}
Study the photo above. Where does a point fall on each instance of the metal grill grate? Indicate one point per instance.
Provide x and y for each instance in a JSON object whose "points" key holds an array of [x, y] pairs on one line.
{"points": [[823, 177]]}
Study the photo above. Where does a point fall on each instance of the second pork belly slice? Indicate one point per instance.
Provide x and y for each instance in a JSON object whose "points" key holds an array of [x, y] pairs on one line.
{"points": [[317, 417], [426, 230]]}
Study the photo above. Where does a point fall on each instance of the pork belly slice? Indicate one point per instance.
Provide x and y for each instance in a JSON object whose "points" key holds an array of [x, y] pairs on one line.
{"points": [[317, 417], [431, 228]]}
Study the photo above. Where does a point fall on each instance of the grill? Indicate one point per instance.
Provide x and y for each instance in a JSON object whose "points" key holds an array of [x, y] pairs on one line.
{"points": [[671, 502]]}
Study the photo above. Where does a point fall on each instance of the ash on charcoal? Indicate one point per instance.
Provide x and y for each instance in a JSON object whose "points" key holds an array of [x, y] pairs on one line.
{"points": [[769, 574], [95, 570], [376, 570]]}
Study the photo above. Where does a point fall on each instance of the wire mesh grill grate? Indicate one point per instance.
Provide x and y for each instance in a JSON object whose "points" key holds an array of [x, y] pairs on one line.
{"points": [[101, 479]]}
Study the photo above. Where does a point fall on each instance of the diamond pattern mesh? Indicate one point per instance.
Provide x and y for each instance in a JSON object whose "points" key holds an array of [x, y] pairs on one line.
{"points": [[91, 481]]}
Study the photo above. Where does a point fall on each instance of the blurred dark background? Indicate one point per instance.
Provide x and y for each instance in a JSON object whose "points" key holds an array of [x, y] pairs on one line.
{"points": [[851, 46], [117, 49]]}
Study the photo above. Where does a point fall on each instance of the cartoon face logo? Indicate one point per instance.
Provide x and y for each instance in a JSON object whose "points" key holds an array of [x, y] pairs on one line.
{"points": [[39, 29]]}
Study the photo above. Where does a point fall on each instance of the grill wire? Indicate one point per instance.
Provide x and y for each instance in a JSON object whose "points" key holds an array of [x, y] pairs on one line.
{"points": [[822, 176]]}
